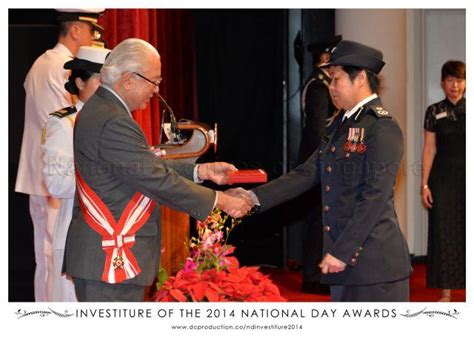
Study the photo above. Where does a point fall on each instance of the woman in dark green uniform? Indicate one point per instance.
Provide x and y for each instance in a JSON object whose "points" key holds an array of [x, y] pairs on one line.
{"points": [[443, 189]]}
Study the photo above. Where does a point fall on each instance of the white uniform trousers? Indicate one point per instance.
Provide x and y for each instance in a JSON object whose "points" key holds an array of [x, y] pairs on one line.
{"points": [[63, 286], [43, 211]]}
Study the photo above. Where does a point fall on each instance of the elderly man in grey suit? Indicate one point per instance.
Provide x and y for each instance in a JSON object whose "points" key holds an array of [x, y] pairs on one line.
{"points": [[113, 243]]}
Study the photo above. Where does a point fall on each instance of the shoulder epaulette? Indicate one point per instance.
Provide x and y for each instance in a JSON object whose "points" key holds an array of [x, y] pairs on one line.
{"points": [[379, 111], [64, 112]]}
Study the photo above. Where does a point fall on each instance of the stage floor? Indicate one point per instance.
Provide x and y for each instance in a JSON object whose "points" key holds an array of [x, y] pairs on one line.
{"points": [[289, 283]]}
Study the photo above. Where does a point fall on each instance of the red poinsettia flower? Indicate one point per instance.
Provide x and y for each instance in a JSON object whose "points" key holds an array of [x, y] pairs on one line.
{"points": [[211, 274]]}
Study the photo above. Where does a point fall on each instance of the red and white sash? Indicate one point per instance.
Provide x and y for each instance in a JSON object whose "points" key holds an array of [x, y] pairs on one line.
{"points": [[117, 237]]}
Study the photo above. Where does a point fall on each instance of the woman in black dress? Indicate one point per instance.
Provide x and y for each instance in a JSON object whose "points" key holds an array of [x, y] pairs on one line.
{"points": [[443, 189]]}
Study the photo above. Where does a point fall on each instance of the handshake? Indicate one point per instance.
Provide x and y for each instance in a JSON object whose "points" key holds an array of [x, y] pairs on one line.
{"points": [[236, 202]]}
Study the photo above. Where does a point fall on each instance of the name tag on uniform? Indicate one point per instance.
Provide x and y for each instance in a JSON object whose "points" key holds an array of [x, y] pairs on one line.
{"points": [[441, 115]]}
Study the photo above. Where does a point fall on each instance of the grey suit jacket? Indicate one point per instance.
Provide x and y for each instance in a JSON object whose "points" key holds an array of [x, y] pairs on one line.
{"points": [[359, 220], [114, 159]]}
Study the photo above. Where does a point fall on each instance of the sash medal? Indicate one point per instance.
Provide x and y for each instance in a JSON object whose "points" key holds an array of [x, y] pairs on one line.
{"points": [[118, 237]]}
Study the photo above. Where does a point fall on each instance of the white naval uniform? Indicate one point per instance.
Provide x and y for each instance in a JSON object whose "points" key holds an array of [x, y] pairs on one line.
{"points": [[45, 93], [58, 173]]}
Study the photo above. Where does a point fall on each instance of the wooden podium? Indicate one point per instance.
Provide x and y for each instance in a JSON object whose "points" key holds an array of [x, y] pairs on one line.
{"points": [[174, 239], [175, 224]]}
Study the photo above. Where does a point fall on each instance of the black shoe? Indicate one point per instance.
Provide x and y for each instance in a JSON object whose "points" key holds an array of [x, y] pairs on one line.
{"points": [[315, 288]]}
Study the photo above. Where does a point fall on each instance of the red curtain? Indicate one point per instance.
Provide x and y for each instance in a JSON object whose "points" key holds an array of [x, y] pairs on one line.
{"points": [[170, 31]]}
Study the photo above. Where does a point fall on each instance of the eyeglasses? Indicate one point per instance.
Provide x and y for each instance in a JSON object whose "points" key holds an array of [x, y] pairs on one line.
{"points": [[154, 83]]}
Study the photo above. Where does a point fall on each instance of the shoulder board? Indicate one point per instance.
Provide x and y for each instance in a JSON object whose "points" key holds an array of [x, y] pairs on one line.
{"points": [[64, 112], [379, 111]]}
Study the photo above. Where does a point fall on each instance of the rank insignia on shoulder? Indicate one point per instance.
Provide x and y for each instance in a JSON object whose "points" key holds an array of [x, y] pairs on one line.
{"points": [[380, 111], [64, 112]]}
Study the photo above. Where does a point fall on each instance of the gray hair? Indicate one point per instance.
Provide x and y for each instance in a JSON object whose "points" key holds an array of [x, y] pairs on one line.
{"points": [[130, 55]]}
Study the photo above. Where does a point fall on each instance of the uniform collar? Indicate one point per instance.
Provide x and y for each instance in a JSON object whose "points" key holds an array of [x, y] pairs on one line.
{"points": [[79, 105], [461, 101], [63, 49], [348, 114]]}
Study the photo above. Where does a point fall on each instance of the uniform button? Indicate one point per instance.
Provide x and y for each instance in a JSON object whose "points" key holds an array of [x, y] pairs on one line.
{"points": [[326, 208], [347, 155], [333, 149], [329, 169], [356, 255], [327, 228], [361, 248], [353, 260], [327, 188]]}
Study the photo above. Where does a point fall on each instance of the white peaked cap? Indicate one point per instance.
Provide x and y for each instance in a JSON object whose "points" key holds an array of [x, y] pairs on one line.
{"points": [[93, 54], [80, 10]]}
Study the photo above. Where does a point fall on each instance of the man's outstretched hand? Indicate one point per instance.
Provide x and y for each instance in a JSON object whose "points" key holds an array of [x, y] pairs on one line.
{"points": [[216, 172]]}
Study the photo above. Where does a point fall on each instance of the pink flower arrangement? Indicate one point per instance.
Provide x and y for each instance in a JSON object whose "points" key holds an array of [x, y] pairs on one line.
{"points": [[212, 274]]}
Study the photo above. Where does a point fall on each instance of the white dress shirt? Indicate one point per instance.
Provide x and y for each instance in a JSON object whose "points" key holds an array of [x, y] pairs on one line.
{"points": [[349, 113]]}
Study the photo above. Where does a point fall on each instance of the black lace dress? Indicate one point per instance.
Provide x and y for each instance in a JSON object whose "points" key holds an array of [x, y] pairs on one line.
{"points": [[447, 181]]}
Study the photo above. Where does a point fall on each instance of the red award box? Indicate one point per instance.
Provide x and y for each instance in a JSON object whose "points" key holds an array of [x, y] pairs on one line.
{"points": [[247, 176]]}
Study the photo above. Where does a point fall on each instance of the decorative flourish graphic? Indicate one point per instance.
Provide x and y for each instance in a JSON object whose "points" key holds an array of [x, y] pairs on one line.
{"points": [[453, 314], [42, 313]]}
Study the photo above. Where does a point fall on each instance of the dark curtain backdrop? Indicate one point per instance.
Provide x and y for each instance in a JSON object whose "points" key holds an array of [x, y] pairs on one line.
{"points": [[239, 57], [170, 31]]}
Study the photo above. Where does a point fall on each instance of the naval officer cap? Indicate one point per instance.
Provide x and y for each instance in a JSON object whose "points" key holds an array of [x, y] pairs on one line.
{"points": [[88, 15], [88, 58], [351, 53]]}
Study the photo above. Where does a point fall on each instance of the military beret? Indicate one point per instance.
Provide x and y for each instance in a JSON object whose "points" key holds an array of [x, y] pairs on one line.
{"points": [[88, 58], [350, 53]]}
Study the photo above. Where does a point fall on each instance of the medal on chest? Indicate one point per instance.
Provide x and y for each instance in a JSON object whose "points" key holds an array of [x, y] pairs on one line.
{"points": [[361, 147], [355, 141], [347, 145]]}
